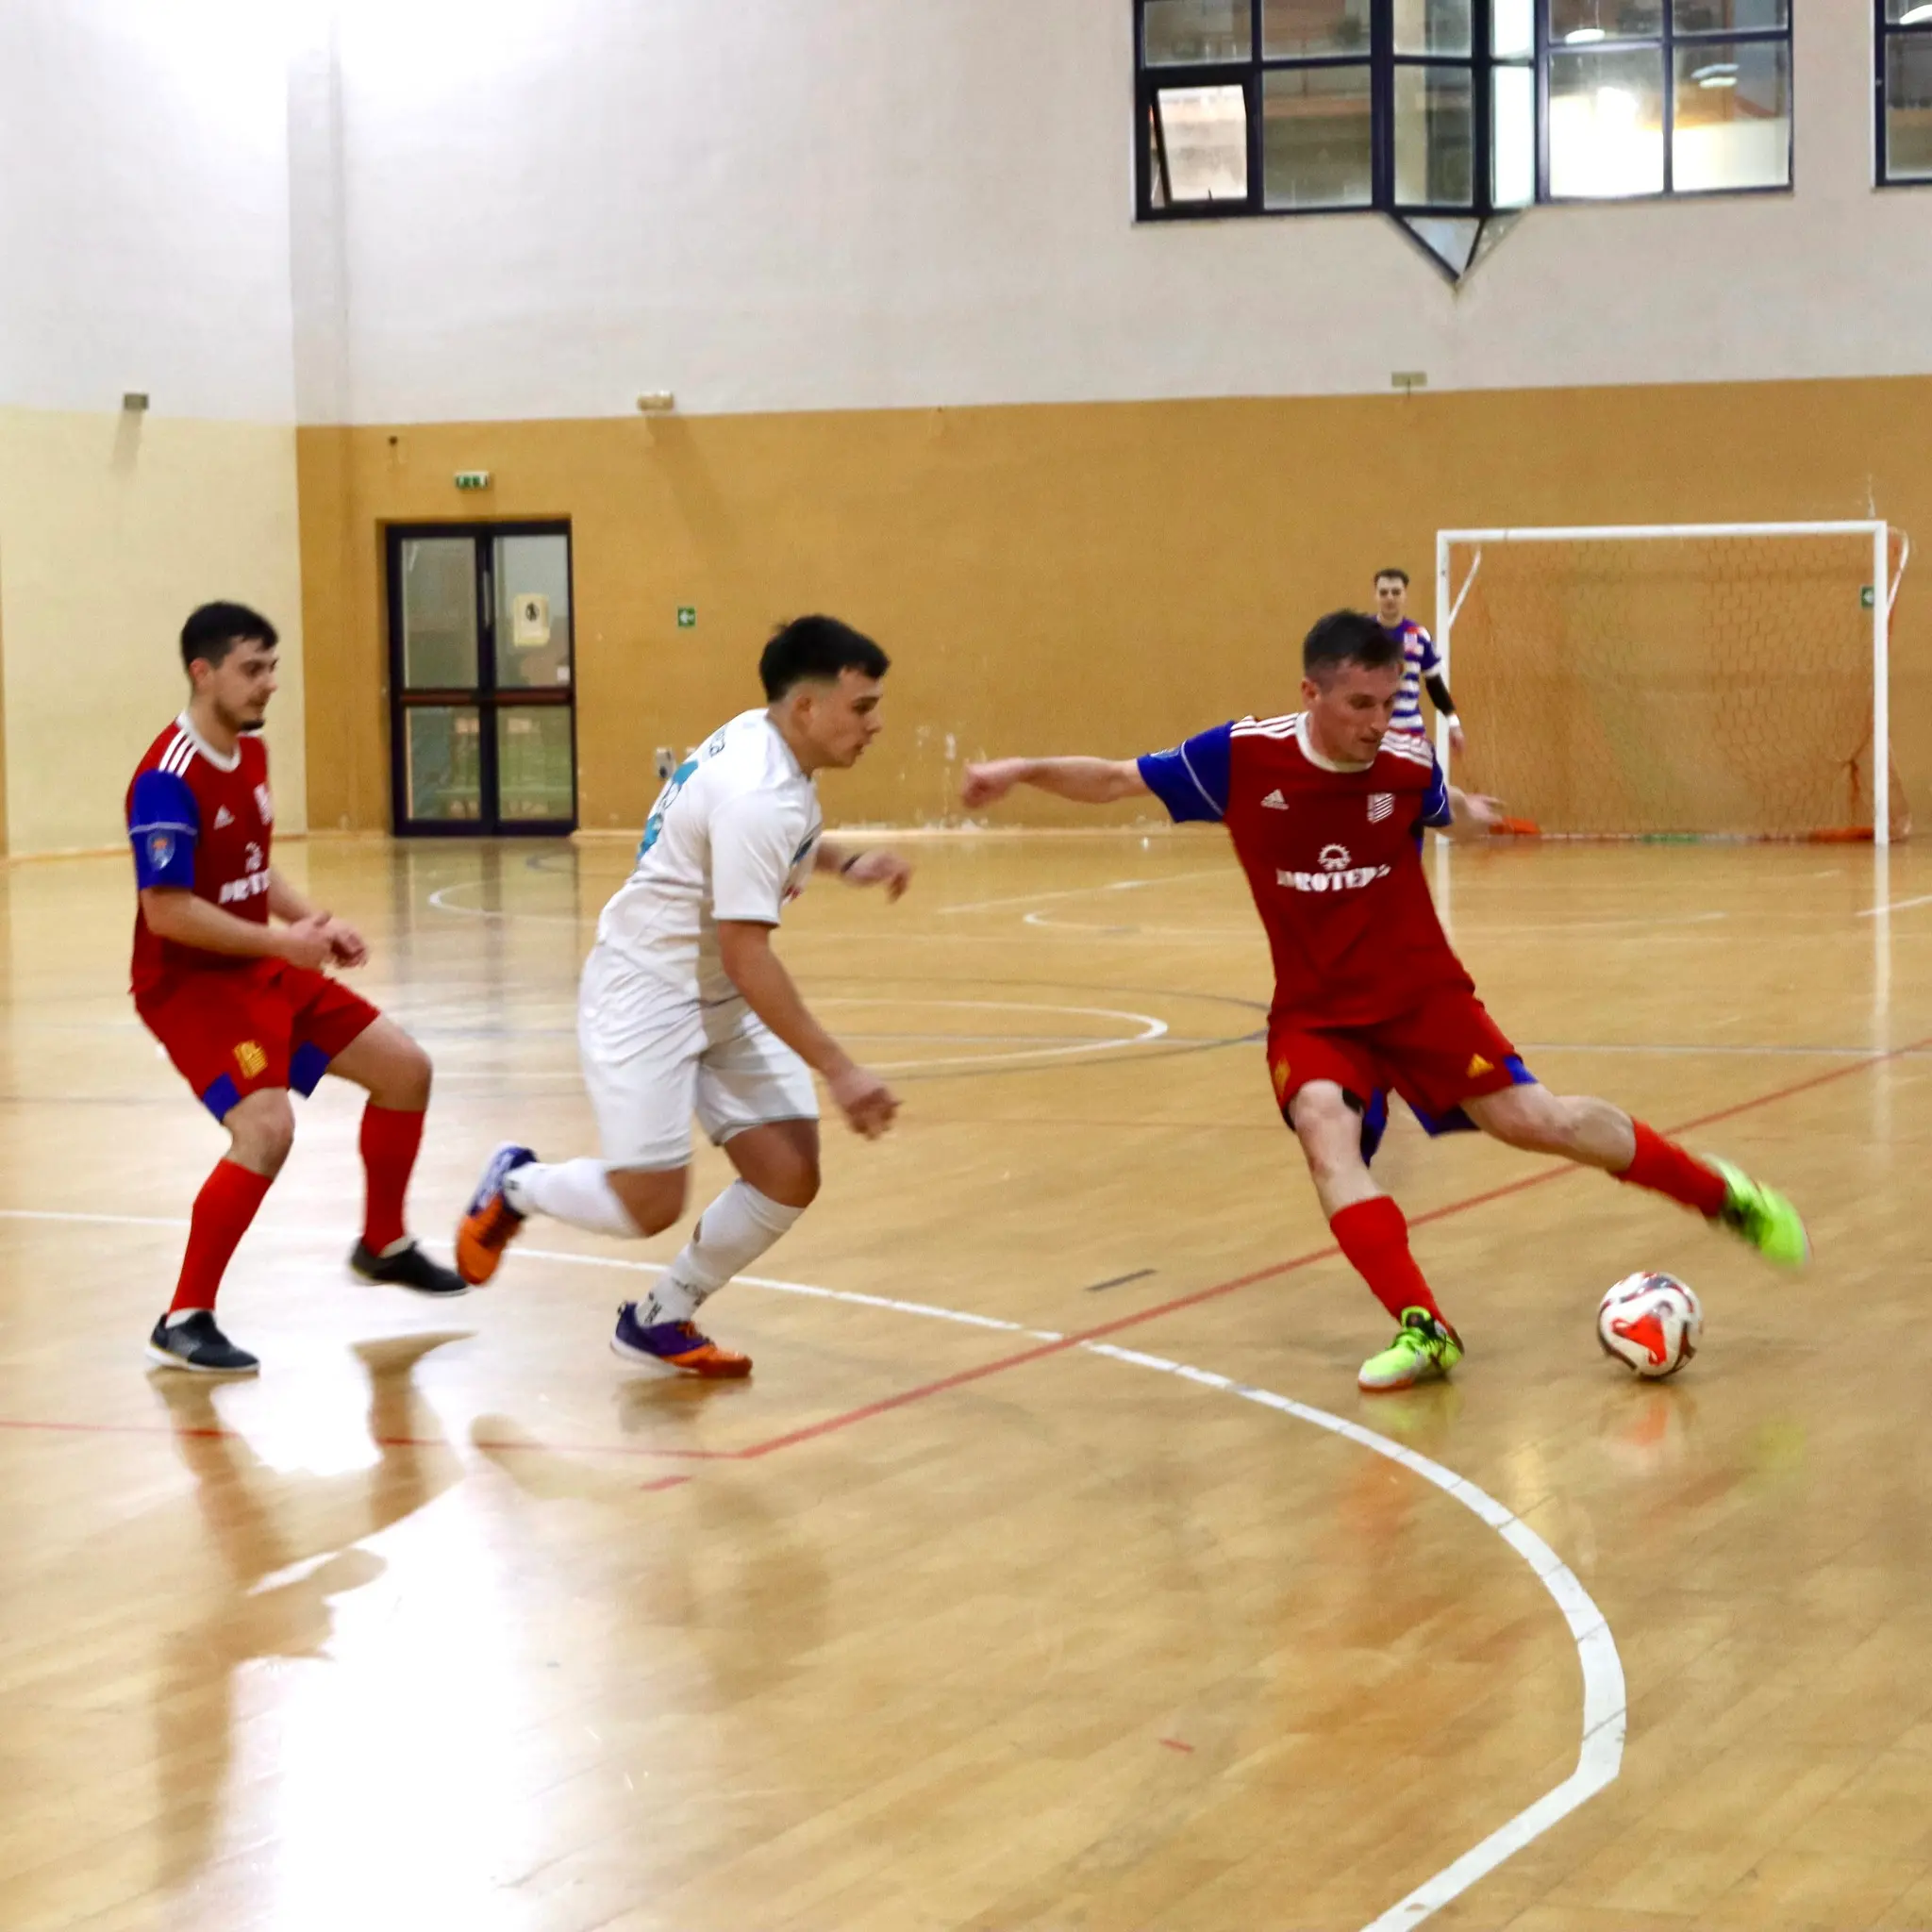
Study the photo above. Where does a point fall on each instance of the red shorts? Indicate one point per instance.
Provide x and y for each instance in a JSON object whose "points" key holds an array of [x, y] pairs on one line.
{"points": [[261, 1026], [1443, 1051]]}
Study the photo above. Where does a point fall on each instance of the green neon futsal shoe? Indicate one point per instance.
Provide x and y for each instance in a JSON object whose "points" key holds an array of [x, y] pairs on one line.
{"points": [[1424, 1350], [1763, 1217]]}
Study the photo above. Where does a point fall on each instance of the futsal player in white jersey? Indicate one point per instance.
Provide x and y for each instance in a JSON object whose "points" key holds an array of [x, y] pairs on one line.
{"points": [[1421, 661], [685, 1009]]}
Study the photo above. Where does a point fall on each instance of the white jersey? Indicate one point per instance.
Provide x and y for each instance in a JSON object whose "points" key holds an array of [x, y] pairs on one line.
{"points": [[731, 836]]}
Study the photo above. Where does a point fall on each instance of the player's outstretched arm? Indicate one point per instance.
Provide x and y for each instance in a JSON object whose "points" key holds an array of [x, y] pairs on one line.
{"points": [[175, 914], [744, 951], [878, 867], [1085, 781]]}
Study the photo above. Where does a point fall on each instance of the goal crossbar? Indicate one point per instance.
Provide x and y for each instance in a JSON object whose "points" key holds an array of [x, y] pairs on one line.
{"points": [[1885, 585]]}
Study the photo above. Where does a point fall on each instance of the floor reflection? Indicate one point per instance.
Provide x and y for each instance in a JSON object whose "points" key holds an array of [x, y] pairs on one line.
{"points": [[286, 1548]]}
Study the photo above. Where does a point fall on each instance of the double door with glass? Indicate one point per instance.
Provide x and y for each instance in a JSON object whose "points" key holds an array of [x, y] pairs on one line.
{"points": [[482, 712]]}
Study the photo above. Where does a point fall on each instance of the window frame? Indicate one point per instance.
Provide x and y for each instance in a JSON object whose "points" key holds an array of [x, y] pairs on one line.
{"points": [[1667, 41], [1884, 32], [1481, 64]]}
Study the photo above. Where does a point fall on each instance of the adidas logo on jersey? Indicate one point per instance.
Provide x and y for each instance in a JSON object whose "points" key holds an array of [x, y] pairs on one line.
{"points": [[1274, 802], [1381, 804], [223, 817]]}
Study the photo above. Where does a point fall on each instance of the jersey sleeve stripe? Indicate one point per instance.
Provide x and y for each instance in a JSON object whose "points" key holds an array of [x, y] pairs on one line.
{"points": [[1216, 806], [163, 825]]}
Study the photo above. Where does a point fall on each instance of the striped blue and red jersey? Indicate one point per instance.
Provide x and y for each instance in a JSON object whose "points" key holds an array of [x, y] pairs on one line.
{"points": [[201, 822], [1420, 659]]}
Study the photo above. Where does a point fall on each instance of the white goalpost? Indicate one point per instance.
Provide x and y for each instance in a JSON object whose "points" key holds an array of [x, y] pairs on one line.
{"points": [[1678, 681]]}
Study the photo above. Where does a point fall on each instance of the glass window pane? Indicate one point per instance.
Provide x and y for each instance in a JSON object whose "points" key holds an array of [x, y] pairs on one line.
{"points": [[1728, 16], [1576, 22], [534, 776], [1908, 12], [1316, 149], [1432, 26], [438, 603], [532, 578], [1512, 136], [1733, 120], [441, 754], [1512, 29], [1178, 32], [1204, 131], [1908, 107], [1606, 122], [1293, 28], [1435, 136]]}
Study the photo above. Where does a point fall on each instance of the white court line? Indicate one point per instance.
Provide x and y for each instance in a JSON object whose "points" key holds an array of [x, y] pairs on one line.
{"points": [[1151, 1029], [442, 905], [1080, 892], [1896, 906], [1600, 1756]]}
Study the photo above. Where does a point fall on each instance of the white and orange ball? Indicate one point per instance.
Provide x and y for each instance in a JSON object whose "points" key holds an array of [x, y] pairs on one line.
{"points": [[1652, 1324]]}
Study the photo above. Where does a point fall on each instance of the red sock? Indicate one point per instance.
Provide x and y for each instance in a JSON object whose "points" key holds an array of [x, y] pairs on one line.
{"points": [[1374, 1237], [223, 1210], [1665, 1168], [388, 1142]]}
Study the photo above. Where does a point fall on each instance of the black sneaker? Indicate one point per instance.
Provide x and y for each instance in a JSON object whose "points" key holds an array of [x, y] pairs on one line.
{"points": [[406, 1268], [195, 1344]]}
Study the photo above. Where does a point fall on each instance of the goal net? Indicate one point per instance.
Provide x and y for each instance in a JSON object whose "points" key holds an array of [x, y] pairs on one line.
{"points": [[1678, 681]]}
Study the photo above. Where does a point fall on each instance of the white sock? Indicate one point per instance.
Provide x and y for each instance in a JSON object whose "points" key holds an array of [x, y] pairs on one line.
{"points": [[577, 1191], [731, 1234]]}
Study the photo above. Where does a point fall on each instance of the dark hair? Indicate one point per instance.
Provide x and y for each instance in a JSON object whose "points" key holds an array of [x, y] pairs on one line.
{"points": [[816, 648], [214, 630], [1394, 569], [1348, 637]]}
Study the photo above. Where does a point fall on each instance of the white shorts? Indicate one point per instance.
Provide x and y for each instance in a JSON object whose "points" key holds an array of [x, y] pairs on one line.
{"points": [[651, 1059]]}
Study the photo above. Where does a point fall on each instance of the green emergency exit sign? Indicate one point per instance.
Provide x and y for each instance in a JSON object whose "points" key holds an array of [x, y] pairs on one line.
{"points": [[1866, 599], [687, 617], [472, 479]]}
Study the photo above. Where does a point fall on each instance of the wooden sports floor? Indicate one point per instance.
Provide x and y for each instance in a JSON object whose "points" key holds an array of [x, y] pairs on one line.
{"points": [[1050, 1572]]}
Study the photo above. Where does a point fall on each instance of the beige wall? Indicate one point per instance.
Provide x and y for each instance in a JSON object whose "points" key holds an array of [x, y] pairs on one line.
{"points": [[112, 528], [1099, 577]]}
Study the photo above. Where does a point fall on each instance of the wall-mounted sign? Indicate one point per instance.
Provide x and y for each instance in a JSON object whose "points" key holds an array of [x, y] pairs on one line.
{"points": [[687, 617], [472, 479], [529, 620]]}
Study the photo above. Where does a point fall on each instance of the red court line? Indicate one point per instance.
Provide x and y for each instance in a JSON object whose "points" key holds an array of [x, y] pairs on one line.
{"points": [[834, 1425]]}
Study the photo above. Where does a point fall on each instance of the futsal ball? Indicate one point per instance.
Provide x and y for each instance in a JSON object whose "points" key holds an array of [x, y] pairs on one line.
{"points": [[1652, 1324]]}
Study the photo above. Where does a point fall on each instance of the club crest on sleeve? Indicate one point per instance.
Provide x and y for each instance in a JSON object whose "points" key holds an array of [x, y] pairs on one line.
{"points": [[1381, 804], [160, 848]]}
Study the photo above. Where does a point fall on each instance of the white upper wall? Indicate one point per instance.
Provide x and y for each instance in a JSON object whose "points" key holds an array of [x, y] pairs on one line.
{"points": [[144, 206], [544, 209]]}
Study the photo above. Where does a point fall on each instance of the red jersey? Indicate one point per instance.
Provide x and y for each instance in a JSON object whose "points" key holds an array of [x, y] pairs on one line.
{"points": [[1333, 856], [203, 822]]}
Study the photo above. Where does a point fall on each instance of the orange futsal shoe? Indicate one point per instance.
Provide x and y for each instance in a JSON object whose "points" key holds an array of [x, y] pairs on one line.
{"points": [[490, 1224], [675, 1345]]}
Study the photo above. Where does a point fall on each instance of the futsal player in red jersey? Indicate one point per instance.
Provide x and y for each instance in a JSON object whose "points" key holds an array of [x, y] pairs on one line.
{"points": [[1326, 809], [243, 1005]]}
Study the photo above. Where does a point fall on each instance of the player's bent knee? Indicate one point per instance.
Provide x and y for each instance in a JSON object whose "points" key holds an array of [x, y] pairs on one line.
{"points": [[1327, 1127], [261, 1130], [653, 1198]]}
